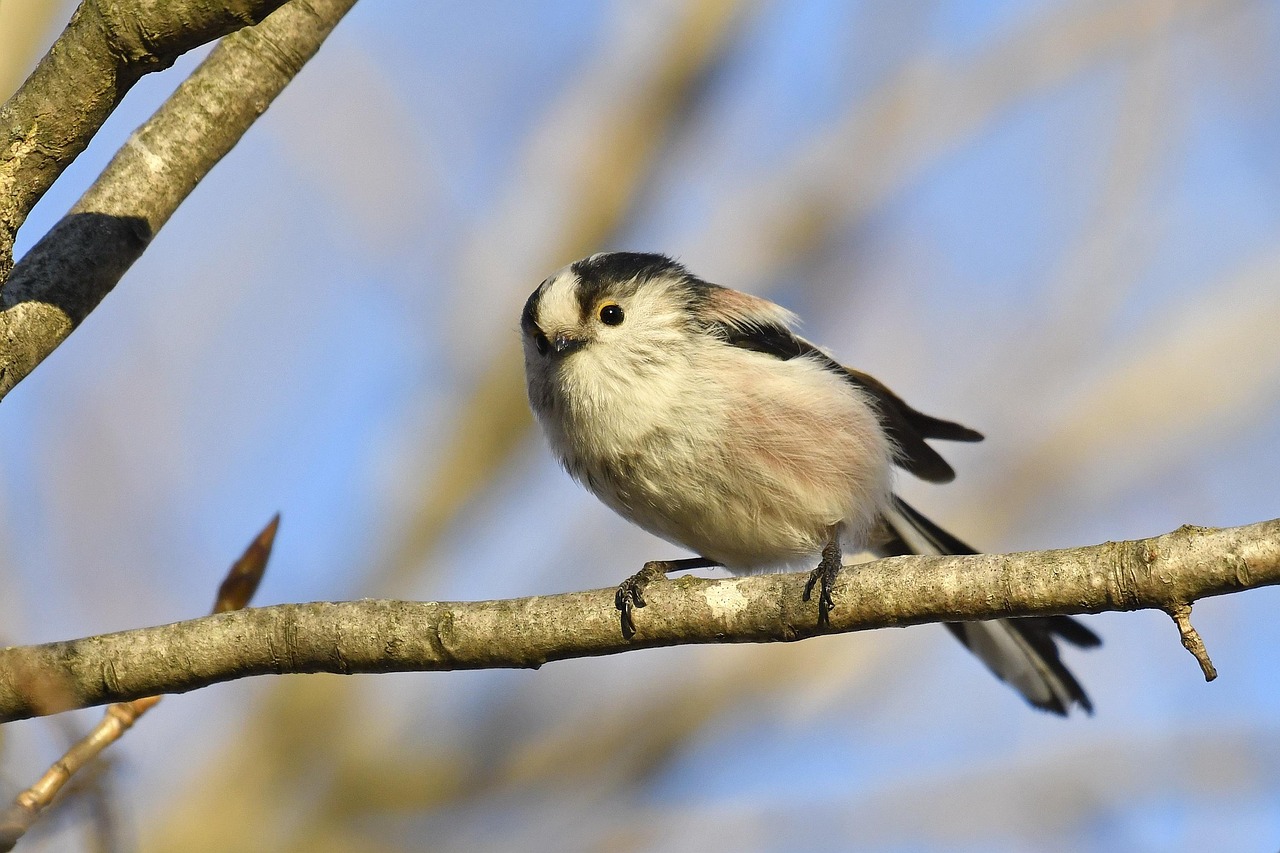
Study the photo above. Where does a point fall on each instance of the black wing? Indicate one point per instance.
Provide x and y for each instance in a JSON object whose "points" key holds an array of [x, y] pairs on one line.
{"points": [[907, 427]]}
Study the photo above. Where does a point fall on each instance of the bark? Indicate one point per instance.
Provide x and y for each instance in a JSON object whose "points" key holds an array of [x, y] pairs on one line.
{"points": [[1165, 572], [103, 51]]}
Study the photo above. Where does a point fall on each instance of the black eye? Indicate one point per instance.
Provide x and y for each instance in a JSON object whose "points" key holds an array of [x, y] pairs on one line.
{"points": [[540, 340], [611, 315]]}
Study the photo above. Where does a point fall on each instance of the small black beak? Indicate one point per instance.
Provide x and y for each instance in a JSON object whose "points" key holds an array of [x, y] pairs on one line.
{"points": [[563, 344]]}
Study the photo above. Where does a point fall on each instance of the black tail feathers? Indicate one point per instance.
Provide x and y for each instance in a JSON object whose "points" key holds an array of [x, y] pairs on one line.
{"points": [[1021, 652]]}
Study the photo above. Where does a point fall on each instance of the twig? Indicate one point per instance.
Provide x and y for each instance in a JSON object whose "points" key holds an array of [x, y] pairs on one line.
{"points": [[235, 592], [1191, 640]]}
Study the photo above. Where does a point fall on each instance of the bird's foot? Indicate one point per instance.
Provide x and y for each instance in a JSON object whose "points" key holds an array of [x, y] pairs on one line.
{"points": [[630, 594], [824, 577]]}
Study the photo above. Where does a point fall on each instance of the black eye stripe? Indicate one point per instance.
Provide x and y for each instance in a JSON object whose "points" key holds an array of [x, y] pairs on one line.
{"points": [[540, 340], [611, 314]]}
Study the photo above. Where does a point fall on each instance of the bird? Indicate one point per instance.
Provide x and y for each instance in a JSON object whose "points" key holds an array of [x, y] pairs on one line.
{"points": [[698, 413]]}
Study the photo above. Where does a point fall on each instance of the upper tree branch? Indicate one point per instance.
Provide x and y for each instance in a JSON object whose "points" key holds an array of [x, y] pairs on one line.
{"points": [[79, 261], [1164, 572], [105, 49]]}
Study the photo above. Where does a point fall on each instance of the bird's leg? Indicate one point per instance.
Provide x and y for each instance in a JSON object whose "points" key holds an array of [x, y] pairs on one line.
{"points": [[630, 594], [826, 575]]}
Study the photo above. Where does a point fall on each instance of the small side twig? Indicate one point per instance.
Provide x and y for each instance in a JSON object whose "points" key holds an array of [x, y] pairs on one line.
{"points": [[237, 589], [1192, 641]]}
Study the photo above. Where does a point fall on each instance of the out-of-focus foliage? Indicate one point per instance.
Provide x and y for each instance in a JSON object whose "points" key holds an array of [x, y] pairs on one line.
{"points": [[1058, 222]]}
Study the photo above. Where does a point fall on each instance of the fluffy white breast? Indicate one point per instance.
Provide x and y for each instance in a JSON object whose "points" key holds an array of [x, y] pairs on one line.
{"points": [[741, 457]]}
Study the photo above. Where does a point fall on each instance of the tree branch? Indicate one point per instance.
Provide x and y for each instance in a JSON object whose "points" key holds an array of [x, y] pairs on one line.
{"points": [[238, 587], [64, 276], [105, 49], [1165, 572]]}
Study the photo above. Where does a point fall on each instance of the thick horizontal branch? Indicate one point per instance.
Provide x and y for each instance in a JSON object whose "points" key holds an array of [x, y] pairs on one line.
{"points": [[73, 267], [1165, 572]]}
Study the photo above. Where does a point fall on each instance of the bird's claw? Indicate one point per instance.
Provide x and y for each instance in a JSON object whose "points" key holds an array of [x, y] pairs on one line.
{"points": [[824, 577], [627, 599], [630, 595]]}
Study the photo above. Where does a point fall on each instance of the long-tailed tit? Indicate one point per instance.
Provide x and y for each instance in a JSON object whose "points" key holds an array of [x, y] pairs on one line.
{"points": [[697, 413]]}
